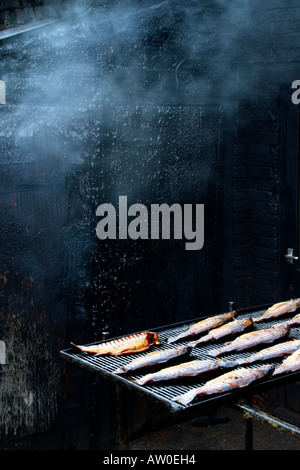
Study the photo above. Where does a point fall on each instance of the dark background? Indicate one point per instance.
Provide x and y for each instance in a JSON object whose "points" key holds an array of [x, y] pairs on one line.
{"points": [[163, 102]]}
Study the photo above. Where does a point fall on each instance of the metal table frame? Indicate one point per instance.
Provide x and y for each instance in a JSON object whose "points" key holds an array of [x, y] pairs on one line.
{"points": [[251, 413], [194, 410]]}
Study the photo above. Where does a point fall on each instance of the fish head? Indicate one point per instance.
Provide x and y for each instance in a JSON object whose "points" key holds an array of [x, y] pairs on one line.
{"points": [[231, 315], [249, 321], [266, 369], [152, 337], [285, 327]]}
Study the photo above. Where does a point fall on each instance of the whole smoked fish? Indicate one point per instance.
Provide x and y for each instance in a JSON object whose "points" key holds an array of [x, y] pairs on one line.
{"points": [[277, 310], [153, 358], [252, 339], [204, 325], [231, 328], [189, 369], [278, 350], [235, 379], [128, 344], [290, 364], [293, 321]]}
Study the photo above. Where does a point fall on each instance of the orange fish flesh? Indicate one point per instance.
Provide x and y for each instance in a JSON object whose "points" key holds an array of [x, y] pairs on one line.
{"points": [[128, 344]]}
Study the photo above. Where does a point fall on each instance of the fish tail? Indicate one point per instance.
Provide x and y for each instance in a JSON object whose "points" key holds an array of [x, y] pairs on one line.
{"points": [[227, 363], [214, 353], [172, 340], [141, 381], [82, 348], [185, 398], [119, 371], [240, 362]]}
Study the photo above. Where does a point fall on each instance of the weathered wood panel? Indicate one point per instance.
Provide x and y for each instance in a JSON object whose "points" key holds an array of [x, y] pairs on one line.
{"points": [[80, 128]]}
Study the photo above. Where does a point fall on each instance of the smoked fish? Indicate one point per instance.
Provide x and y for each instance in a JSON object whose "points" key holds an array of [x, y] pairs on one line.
{"points": [[189, 369], [293, 321], [235, 379], [153, 358], [252, 339], [128, 344], [231, 328], [204, 325], [290, 364], [278, 309], [278, 350]]}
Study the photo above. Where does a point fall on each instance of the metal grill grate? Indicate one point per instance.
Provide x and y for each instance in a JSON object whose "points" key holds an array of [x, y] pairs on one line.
{"points": [[165, 391]]}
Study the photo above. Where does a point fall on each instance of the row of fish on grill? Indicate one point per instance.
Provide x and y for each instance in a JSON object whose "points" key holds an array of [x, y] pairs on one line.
{"points": [[210, 330]]}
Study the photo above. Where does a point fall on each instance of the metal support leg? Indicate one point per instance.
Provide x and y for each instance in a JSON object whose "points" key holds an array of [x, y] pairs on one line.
{"points": [[122, 418], [248, 424], [248, 433]]}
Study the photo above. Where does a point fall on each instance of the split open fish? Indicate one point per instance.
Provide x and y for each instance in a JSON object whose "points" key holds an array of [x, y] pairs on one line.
{"points": [[128, 344], [203, 326], [235, 379]]}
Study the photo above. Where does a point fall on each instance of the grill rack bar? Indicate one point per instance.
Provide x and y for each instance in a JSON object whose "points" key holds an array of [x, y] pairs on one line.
{"points": [[164, 392]]}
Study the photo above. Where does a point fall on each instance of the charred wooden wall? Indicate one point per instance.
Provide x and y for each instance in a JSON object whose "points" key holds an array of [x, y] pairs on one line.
{"points": [[268, 69], [99, 107]]}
